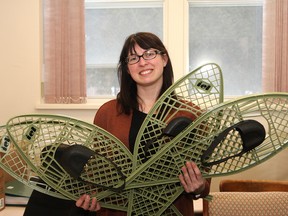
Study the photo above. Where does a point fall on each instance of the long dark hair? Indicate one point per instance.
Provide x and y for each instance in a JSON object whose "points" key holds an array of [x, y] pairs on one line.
{"points": [[127, 97]]}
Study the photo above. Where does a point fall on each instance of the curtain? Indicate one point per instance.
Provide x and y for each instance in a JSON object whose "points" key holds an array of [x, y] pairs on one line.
{"points": [[64, 51], [275, 46]]}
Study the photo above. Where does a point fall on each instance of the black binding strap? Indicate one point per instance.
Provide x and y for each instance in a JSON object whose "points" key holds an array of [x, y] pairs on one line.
{"points": [[174, 127], [73, 159], [252, 134]]}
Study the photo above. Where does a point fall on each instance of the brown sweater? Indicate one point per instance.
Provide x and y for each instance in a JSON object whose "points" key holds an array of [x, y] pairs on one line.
{"points": [[119, 125]]}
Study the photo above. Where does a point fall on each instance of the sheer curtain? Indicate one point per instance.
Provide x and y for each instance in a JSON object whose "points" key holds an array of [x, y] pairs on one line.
{"points": [[64, 51], [275, 46]]}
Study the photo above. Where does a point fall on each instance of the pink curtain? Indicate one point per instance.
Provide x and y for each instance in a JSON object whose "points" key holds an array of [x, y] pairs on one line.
{"points": [[275, 46], [64, 51]]}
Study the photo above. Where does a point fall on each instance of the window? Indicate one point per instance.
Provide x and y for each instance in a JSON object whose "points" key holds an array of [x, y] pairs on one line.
{"points": [[226, 32], [229, 34], [107, 26]]}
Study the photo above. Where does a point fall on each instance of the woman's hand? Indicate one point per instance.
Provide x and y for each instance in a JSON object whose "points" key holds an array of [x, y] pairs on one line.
{"points": [[191, 178], [88, 204]]}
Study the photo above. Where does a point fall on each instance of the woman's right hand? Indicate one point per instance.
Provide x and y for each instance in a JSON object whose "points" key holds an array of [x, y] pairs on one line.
{"points": [[87, 203]]}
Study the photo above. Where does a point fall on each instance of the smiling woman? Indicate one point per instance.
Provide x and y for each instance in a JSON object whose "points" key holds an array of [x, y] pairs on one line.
{"points": [[141, 84]]}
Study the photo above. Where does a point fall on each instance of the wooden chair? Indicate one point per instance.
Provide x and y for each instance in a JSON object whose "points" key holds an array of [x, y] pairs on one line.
{"points": [[248, 197]]}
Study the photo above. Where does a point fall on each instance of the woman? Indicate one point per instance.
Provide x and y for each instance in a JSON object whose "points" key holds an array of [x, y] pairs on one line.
{"points": [[145, 72]]}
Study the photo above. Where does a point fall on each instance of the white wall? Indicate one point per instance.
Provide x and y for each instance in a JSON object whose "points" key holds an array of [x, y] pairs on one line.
{"points": [[19, 57], [20, 68]]}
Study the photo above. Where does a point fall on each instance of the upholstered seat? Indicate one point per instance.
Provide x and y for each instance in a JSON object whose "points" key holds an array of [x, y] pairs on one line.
{"points": [[249, 197]]}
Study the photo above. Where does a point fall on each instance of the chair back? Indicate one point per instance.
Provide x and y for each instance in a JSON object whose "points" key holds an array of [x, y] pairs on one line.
{"points": [[248, 197]]}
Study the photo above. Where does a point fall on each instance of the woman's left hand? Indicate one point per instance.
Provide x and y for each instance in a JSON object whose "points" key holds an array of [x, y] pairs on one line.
{"points": [[191, 178], [88, 204]]}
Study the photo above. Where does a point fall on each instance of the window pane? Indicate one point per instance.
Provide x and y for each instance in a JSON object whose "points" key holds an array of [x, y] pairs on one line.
{"points": [[230, 36], [106, 30]]}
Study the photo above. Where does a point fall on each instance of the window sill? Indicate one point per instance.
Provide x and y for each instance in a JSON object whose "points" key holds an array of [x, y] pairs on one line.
{"points": [[90, 105]]}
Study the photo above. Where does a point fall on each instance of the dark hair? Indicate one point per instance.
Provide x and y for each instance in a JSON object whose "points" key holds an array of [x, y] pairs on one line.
{"points": [[127, 97]]}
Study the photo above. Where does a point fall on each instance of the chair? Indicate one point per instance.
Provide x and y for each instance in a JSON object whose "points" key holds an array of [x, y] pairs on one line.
{"points": [[248, 197]]}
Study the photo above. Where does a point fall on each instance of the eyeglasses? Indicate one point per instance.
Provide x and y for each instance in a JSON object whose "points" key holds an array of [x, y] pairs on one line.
{"points": [[147, 55]]}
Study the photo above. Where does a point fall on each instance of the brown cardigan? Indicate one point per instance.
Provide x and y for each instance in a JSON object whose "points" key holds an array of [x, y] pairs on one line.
{"points": [[119, 125]]}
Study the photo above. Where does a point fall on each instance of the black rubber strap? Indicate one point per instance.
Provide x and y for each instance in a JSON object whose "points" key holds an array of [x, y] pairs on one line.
{"points": [[122, 177], [252, 134], [174, 127], [73, 159]]}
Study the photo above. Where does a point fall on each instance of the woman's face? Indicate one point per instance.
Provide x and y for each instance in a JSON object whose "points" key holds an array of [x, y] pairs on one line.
{"points": [[147, 72]]}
